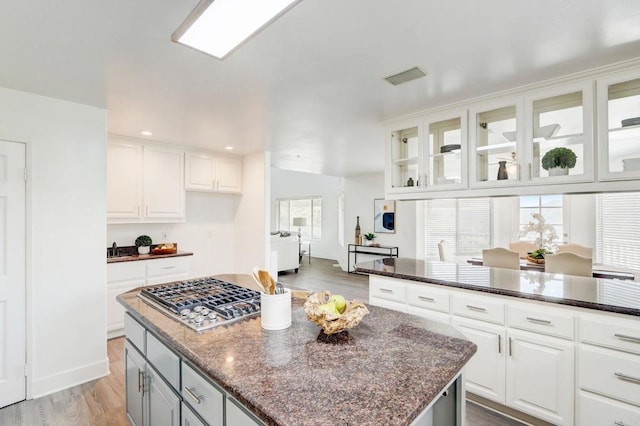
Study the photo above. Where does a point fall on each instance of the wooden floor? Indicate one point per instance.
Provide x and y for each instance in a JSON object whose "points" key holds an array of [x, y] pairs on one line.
{"points": [[101, 402]]}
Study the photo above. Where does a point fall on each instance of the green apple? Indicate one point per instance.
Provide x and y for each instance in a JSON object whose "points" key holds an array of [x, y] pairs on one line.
{"points": [[339, 302], [330, 308]]}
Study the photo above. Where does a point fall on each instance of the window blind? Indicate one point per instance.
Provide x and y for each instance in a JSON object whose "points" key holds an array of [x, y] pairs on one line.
{"points": [[465, 224], [617, 230]]}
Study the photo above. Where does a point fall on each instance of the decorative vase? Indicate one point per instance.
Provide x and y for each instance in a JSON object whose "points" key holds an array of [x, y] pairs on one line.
{"points": [[358, 239], [502, 170], [144, 249], [558, 171]]}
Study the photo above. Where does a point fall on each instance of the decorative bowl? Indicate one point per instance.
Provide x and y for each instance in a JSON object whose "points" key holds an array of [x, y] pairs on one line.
{"points": [[332, 323], [533, 260]]}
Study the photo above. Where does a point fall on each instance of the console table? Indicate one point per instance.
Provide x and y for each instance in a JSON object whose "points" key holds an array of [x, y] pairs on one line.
{"points": [[385, 251]]}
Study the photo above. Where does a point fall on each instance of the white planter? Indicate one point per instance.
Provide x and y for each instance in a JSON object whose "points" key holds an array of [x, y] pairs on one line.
{"points": [[144, 249], [558, 171]]}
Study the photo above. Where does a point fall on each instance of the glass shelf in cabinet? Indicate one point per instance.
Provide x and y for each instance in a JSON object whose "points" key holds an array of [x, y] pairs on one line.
{"points": [[445, 154], [406, 161], [575, 139], [623, 133]]}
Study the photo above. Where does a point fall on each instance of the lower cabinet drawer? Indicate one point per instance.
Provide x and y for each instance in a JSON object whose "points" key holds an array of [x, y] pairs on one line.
{"points": [[168, 266], [611, 373], [594, 410], [189, 418], [427, 298], [164, 360], [480, 308], [202, 396], [135, 332], [386, 289], [541, 320], [618, 333]]}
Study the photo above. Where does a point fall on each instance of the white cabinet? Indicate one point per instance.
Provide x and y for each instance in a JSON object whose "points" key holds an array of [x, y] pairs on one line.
{"points": [[540, 376], [145, 182], [134, 368], [206, 172], [404, 157], [125, 276]]}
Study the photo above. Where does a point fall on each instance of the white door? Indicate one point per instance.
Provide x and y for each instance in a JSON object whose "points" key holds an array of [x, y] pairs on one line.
{"points": [[12, 273]]}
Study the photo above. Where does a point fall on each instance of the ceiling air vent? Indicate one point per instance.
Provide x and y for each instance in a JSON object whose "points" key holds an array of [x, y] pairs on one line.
{"points": [[404, 76]]}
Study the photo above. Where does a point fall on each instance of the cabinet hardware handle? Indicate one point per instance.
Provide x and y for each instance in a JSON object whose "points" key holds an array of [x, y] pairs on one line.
{"points": [[519, 172], [499, 343], [625, 337], [623, 376], [146, 210], [195, 397], [168, 267], [510, 345], [140, 380], [138, 210], [427, 299], [530, 172], [476, 308], [386, 290], [538, 320]]}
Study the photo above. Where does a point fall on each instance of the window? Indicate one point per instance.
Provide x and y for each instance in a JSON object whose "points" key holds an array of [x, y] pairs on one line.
{"points": [[617, 232], [550, 207], [465, 224], [308, 208]]}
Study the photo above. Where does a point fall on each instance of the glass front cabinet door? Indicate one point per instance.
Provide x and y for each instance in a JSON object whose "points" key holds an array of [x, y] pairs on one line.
{"points": [[446, 154], [619, 126], [404, 158], [495, 151], [558, 135]]}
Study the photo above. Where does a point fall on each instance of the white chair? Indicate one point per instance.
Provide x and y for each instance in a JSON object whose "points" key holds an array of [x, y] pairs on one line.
{"points": [[446, 255], [568, 264], [583, 251], [522, 247], [501, 258]]}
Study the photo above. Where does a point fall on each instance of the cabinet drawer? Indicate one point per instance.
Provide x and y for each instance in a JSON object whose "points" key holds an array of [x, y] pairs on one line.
{"points": [[610, 373], [135, 332], [387, 289], [189, 418], [237, 416], [613, 333], [427, 298], [541, 320], [125, 271], [166, 362], [596, 410], [167, 266], [202, 396], [478, 308]]}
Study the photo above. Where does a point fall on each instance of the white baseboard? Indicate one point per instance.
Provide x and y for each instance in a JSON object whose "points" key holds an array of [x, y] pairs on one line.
{"points": [[66, 379]]}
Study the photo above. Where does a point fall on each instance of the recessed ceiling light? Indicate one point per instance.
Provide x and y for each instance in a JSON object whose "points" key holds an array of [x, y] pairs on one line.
{"points": [[146, 133], [218, 27], [228, 148]]}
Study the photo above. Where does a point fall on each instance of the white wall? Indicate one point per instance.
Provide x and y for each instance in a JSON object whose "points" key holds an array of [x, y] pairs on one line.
{"points": [[289, 184], [208, 232], [359, 193], [66, 271]]}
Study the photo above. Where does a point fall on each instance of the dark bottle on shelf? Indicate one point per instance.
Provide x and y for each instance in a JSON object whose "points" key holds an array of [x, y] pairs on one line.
{"points": [[358, 238], [502, 170]]}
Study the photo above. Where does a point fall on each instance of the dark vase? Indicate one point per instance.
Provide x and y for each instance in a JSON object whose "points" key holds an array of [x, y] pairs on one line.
{"points": [[502, 170], [358, 239]]}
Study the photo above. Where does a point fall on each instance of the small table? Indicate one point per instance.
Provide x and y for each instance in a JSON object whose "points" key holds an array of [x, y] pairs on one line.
{"points": [[377, 250], [302, 252], [597, 273]]}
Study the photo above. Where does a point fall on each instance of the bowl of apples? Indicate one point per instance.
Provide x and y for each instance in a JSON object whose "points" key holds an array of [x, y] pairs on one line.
{"points": [[334, 313]]}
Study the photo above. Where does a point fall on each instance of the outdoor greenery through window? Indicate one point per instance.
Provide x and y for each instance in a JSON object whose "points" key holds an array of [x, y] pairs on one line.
{"points": [[617, 232], [465, 224], [308, 208], [550, 208]]}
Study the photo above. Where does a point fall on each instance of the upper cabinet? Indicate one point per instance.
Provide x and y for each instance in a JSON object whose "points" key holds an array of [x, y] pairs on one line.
{"points": [[144, 182], [446, 154], [404, 165], [619, 126], [207, 172]]}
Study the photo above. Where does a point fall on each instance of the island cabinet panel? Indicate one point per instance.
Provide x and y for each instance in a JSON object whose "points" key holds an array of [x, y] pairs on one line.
{"points": [[236, 416], [540, 376], [164, 405], [164, 360], [189, 418], [202, 396], [478, 307], [597, 410], [134, 366]]}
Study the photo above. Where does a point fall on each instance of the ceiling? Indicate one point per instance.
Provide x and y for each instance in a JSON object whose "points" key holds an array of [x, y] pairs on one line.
{"points": [[310, 87]]}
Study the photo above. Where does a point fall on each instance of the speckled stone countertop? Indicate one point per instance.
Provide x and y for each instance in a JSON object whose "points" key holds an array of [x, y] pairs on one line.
{"points": [[617, 296], [395, 366], [137, 257]]}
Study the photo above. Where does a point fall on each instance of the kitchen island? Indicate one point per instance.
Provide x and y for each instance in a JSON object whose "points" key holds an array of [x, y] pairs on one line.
{"points": [[392, 372], [561, 348]]}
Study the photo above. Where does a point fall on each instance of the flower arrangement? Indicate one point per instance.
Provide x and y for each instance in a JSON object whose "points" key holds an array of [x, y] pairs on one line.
{"points": [[545, 233]]}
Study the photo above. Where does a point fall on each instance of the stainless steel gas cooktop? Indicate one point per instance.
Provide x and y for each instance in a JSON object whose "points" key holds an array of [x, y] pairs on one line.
{"points": [[203, 303]]}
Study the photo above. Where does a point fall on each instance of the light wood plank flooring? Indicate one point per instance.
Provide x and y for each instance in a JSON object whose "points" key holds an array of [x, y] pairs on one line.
{"points": [[101, 402]]}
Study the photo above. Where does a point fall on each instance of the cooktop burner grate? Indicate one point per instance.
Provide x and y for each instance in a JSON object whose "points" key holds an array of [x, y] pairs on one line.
{"points": [[203, 303]]}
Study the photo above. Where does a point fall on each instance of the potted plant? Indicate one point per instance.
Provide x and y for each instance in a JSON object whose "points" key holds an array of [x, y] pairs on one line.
{"points": [[369, 238], [143, 242], [558, 161]]}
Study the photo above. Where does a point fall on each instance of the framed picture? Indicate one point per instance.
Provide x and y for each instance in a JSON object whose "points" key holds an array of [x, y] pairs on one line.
{"points": [[384, 216]]}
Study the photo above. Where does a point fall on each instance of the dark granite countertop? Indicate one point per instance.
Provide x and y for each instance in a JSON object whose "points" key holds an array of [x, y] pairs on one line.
{"points": [[136, 257], [617, 296], [395, 366]]}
